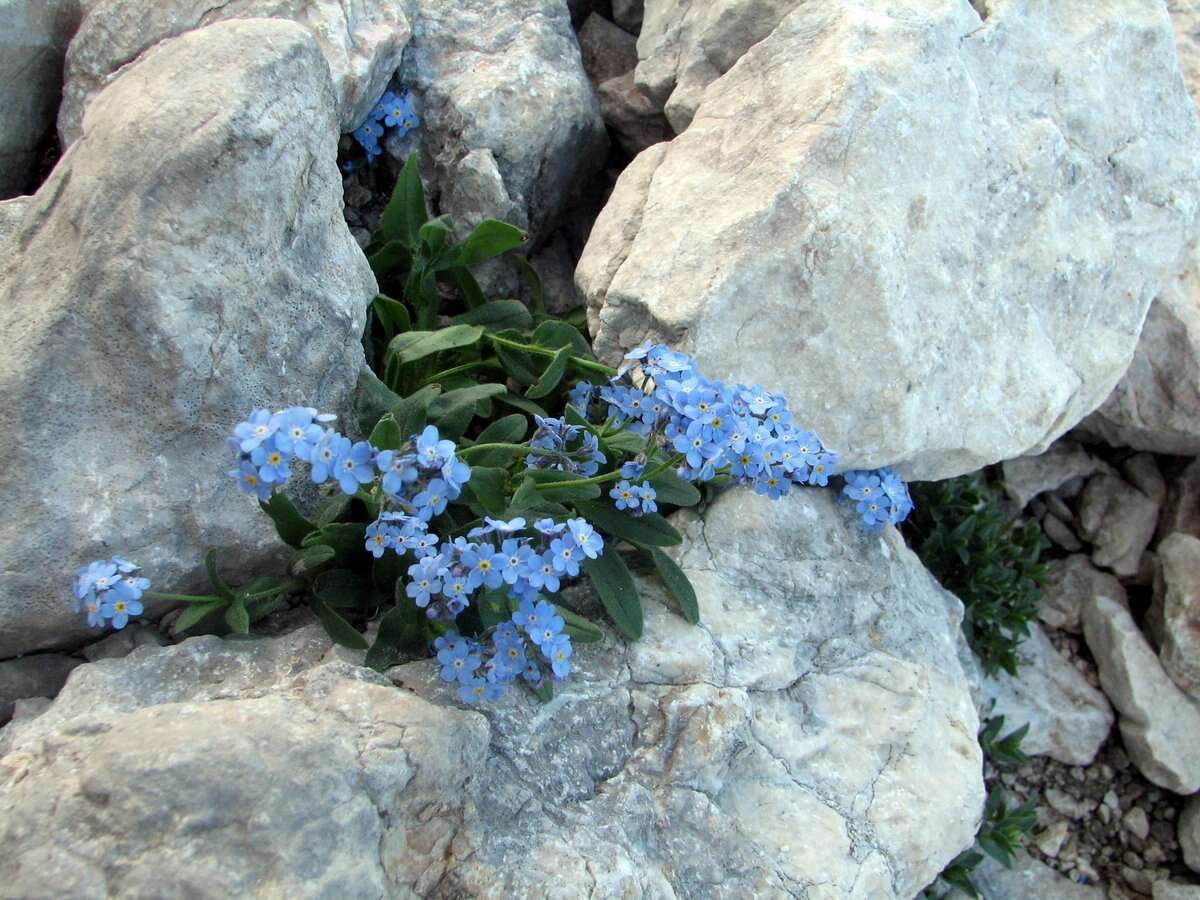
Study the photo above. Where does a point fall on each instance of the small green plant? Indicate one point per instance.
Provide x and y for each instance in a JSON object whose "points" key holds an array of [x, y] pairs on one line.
{"points": [[1004, 750], [990, 563]]}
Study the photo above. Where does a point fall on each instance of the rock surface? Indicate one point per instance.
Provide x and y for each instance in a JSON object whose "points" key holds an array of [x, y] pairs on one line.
{"points": [[1159, 724], [33, 40], [941, 318], [1028, 476], [507, 78], [1070, 586], [1181, 512], [1119, 521], [39, 675], [1028, 879], [169, 278], [1189, 834], [1175, 616], [1069, 720], [1174, 890], [361, 43], [814, 735]]}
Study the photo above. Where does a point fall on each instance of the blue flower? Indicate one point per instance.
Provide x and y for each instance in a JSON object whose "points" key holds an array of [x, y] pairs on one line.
{"points": [[502, 527], [516, 555], [558, 650], [273, 464], [625, 495], [633, 469], [109, 590], [542, 574], [432, 501], [424, 580], [398, 470], [647, 495], [260, 426], [484, 566], [355, 467], [432, 451], [118, 609], [249, 481], [549, 527], [566, 554], [380, 537], [368, 134], [545, 625], [458, 662], [296, 432], [581, 395], [325, 455], [380, 109], [586, 538], [456, 473]]}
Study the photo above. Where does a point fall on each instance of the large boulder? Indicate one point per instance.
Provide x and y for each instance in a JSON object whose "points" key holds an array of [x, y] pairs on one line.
{"points": [[814, 735], [918, 208], [504, 82], [361, 43], [186, 262]]}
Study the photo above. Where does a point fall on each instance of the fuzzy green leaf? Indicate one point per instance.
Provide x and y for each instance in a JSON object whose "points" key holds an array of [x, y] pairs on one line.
{"points": [[196, 612], [488, 486], [220, 588], [552, 375], [490, 238], [415, 345], [237, 618], [498, 315], [310, 560], [677, 582], [617, 592], [651, 529], [406, 213], [386, 434], [670, 488], [292, 526], [341, 631]]}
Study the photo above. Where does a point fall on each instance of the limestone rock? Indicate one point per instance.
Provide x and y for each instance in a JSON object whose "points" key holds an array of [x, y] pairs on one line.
{"points": [[506, 78], [628, 14], [1028, 879], [1189, 834], [1156, 405], [633, 117], [38, 675], [169, 278], [33, 39], [605, 49], [1028, 476], [361, 43], [814, 734], [1061, 533], [1119, 520], [1068, 719], [1142, 472], [1174, 890], [939, 317], [1175, 615], [1159, 723], [1181, 513], [1071, 584]]}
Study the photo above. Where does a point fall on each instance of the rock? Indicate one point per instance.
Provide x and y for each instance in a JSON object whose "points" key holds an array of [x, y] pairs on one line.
{"points": [[1028, 879], [1136, 823], [1028, 476], [1068, 719], [1185, 19], [33, 39], [1069, 805], [503, 77], [800, 259], [628, 14], [361, 43], [123, 642], [1182, 510], [636, 122], [1156, 405], [1141, 471], [1173, 890], [1174, 618], [694, 757], [39, 675], [140, 246], [1052, 838], [557, 270], [1189, 834], [1071, 584], [1060, 532], [607, 51], [1119, 520], [1159, 724]]}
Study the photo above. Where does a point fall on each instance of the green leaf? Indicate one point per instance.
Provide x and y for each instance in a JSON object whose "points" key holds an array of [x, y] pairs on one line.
{"points": [[493, 607], [386, 571], [651, 529], [518, 364], [551, 376], [543, 690], [471, 292], [372, 398], [341, 631], [259, 609], [332, 509], [237, 618], [677, 582], [292, 526], [412, 413], [386, 434], [670, 488], [434, 234], [392, 315], [346, 538], [197, 612], [453, 410], [625, 442], [343, 588], [405, 213], [488, 486], [310, 559], [563, 488], [414, 345], [498, 315], [617, 592], [392, 260], [529, 499], [578, 628], [220, 588], [489, 239], [555, 333], [399, 633], [533, 284], [508, 429]]}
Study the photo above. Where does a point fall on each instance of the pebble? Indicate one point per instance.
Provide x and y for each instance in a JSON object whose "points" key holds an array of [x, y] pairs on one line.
{"points": [[1051, 840]]}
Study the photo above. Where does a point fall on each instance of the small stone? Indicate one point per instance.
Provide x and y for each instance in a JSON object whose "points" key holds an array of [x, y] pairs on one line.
{"points": [[1119, 521], [36, 675], [1068, 805], [1173, 890], [1174, 617], [608, 51], [123, 642], [1051, 840], [1070, 585], [1189, 833], [1139, 880], [1028, 476], [1056, 505], [1060, 532], [1142, 472], [1181, 512], [1137, 823]]}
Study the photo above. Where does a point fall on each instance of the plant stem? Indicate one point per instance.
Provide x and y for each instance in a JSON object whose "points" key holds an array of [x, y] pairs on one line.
{"points": [[458, 370], [186, 598], [514, 448], [577, 361]]}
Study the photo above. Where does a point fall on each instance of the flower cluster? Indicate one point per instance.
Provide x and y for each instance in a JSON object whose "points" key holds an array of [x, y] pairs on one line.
{"points": [[881, 496], [745, 432], [392, 111], [554, 438], [637, 499], [495, 557], [484, 673], [110, 591]]}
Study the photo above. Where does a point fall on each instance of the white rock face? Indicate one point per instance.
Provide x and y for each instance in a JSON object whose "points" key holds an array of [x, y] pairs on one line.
{"points": [[1159, 723], [1119, 520], [890, 198], [1028, 476], [506, 78], [1071, 585], [168, 278], [1069, 720], [361, 41], [1175, 616], [814, 735]]}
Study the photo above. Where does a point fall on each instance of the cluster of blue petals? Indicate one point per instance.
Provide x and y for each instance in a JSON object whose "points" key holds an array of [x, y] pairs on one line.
{"points": [[394, 110], [881, 497], [110, 591], [567, 448]]}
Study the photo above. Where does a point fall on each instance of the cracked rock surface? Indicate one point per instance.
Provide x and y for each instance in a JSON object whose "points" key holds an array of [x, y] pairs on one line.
{"points": [[814, 738], [917, 206]]}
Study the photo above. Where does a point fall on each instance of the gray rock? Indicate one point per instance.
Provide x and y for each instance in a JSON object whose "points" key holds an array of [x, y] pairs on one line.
{"points": [[1119, 521], [557, 270], [606, 50], [123, 642], [695, 758], [1142, 472], [169, 279], [1174, 890], [628, 14], [1159, 723], [1028, 879], [1174, 618], [1071, 584], [759, 233], [361, 43], [1189, 834], [1061, 533], [39, 675], [33, 40], [1028, 476], [1181, 512], [633, 117], [1068, 719], [503, 77]]}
